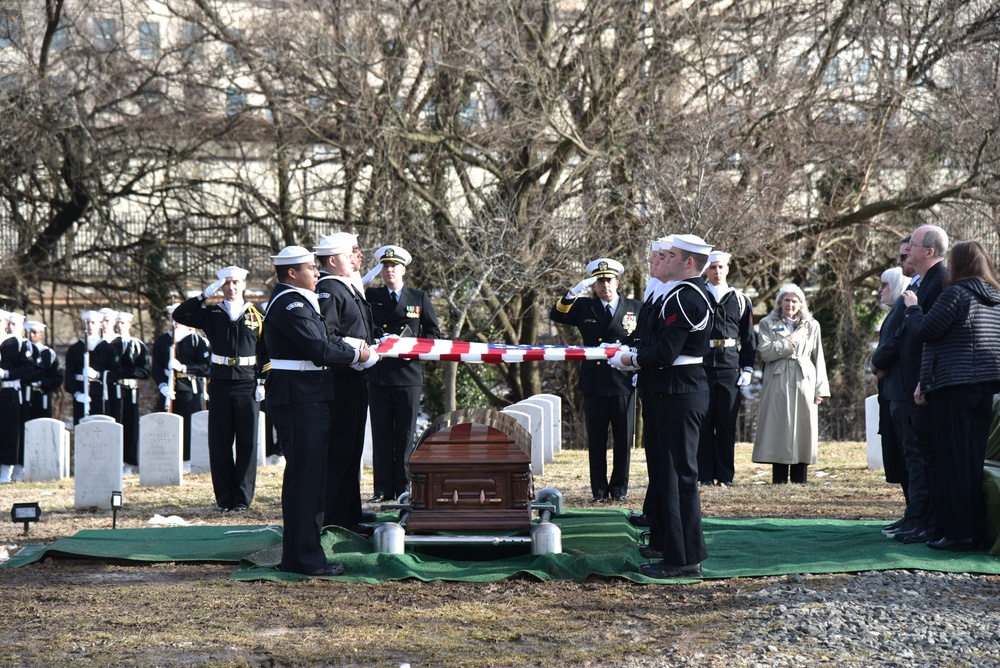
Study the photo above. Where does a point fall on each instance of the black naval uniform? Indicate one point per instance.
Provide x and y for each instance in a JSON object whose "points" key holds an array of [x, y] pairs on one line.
{"points": [[733, 347], [104, 360], [608, 397], [192, 351], [48, 379], [16, 358], [232, 410], [675, 390], [347, 314], [394, 385], [300, 391], [123, 393]]}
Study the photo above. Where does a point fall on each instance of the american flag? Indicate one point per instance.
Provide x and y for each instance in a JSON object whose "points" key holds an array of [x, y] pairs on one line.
{"points": [[488, 353]]}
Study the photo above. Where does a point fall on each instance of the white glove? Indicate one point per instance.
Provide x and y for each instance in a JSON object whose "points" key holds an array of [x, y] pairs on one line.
{"points": [[577, 289], [165, 391], [372, 359], [354, 342], [387, 337], [4, 373], [176, 365], [213, 288], [258, 394], [372, 273], [93, 373], [744, 378], [635, 379], [617, 363], [82, 398]]}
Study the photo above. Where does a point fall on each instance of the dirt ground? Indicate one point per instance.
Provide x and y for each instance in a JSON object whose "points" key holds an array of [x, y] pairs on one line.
{"points": [[87, 613]]}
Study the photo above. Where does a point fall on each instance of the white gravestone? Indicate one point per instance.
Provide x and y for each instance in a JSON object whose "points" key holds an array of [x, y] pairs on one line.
{"points": [[530, 417], [872, 435], [96, 418], [161, 448], [97, 463], [556, 402], [199, 443], [45, 452], [547, 423]]}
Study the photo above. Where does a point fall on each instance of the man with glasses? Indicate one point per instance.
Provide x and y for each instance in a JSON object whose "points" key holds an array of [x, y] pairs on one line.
{"points": [[925, 253]]}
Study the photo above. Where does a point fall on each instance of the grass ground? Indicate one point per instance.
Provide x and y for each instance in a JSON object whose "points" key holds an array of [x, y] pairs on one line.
{"points": [[85, 613]]}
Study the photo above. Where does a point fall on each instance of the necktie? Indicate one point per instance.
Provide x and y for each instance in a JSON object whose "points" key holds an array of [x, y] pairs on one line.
{"points": [[393, 299], [607, 308]]}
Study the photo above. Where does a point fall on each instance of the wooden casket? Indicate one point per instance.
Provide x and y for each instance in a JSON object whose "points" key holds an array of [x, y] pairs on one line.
{"points": [[471, 470]]}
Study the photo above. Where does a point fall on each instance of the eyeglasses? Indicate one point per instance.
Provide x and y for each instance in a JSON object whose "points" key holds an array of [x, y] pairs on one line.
{"points": [[919, 246], [883, 284]]}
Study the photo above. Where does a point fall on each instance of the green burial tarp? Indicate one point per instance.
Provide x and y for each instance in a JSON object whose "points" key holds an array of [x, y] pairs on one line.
{"points": [[597, 543]]}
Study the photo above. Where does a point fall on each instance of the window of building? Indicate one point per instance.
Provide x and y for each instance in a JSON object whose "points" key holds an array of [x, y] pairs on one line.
{"points": [[11, 29], [191, 38], [149, 39], [231, 53], [832, 72], [105, 34], [236, 101], [863, 71]]}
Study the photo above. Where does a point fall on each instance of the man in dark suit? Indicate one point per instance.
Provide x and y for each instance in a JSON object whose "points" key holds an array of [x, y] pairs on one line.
{"points": [[395, 384], [608, 395], [926, 252], [348, 318], [297, 355], [730, 366], [672, 377]]}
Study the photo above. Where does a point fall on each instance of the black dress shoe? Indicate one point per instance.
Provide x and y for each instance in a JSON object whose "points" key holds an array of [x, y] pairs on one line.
{"points": [[619, 497], [378, 498], [915, 537], [647, 552], [368, 515], [363, 530], [329, 569], [638, 520], [597, 499], [223, 509], [239, 508], [953, 544]]}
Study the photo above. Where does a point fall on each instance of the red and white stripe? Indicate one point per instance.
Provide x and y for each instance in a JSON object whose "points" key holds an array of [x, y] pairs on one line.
{"points": [[488, 353]]}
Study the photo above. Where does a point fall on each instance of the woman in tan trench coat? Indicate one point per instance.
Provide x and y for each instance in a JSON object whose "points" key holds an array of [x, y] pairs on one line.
{"points": [[790, 345]]}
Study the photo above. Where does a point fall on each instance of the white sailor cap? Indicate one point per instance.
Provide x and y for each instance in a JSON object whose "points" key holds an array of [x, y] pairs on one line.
{"points": [[604, 267], [123, 317], [34, 325], [692, 244], [337, 243], [108, 313], [4, 314], [16, 318], [91, 316], [233, 272], [719, 256], [663, 243], [393, 255], [292, 255], [171, 308]]}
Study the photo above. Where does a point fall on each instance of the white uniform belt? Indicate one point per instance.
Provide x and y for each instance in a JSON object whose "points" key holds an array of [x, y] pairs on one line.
{"points": [[11, 384], [296, 365], [722, 343], [683, 360], [233, 361], [80, 377], [128, 382]]}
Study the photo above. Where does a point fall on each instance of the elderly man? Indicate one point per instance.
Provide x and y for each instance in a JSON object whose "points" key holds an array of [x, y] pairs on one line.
{"points": [[925, 259], [395, 384], [232, 328], [608, 396], [298, 354]]}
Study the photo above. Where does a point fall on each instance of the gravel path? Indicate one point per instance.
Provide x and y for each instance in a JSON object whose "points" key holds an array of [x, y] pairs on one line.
{"points": [[884, 618]]}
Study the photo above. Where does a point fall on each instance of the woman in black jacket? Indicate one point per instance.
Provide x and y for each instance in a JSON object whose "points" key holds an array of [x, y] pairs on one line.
{"points": [[959, 375]]}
